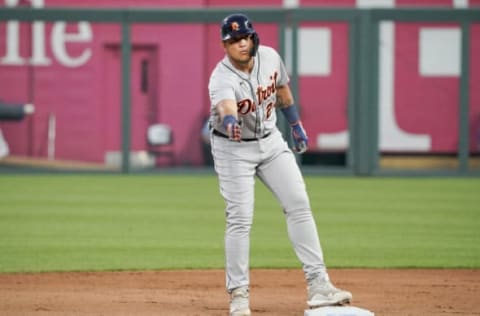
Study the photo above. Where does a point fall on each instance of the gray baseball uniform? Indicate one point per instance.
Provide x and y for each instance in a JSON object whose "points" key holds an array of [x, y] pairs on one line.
{"points": [[264, 153]]}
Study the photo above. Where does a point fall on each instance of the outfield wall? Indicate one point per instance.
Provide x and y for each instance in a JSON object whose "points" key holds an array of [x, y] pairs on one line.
{"points": [[71, 72]]}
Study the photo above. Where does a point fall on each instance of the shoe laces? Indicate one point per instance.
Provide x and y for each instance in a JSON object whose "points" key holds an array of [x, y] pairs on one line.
{"points": [[323, 285]]}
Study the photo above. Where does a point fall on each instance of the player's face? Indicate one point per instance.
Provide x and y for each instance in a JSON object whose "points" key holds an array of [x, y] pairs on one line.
{"points": [[238, 49]]}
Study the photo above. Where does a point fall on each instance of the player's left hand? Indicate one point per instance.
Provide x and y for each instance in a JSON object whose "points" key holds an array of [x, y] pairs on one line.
{"points": [[300, 139]]}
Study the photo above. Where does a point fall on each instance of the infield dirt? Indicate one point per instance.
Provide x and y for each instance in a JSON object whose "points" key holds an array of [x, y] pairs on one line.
{"points": [[419, 292]]}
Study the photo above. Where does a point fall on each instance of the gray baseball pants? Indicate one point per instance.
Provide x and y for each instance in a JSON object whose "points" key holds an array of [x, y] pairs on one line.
{"points": [[237, 164]]}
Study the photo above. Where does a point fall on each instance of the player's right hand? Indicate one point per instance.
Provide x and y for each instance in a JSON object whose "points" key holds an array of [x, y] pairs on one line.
{"points": [[233, 128], [300, 139]]}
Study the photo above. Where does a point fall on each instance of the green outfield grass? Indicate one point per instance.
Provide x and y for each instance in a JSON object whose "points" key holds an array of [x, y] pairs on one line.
{"points": [[114, 222]]}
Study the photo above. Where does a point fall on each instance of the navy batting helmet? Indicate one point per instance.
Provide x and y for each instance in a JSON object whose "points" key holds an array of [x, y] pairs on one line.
{"points": [[238, 25]]}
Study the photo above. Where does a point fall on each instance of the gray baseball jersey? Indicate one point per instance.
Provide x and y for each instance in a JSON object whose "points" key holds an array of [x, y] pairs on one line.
{"points": [[255, 93]]}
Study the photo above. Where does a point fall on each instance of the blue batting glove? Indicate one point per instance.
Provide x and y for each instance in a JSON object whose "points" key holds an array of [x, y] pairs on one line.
{"points": [[232, 127], [300, 139]]}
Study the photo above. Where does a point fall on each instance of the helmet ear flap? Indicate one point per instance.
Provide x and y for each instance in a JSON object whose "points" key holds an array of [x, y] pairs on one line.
{"points": [[256, 42]]}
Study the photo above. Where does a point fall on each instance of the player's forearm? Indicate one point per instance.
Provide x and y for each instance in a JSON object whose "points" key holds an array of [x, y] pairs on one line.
{"points": [[286, 104], [227, 110], [227, 107], [284, 97]]}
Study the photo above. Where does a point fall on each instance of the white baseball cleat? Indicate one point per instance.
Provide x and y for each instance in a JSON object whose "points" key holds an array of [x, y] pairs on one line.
{"points": [[321, 292], [239, 304]]}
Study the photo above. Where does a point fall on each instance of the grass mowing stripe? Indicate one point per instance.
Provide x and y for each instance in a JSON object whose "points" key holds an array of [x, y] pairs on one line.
{"points": [[114, 222], [401, 222]]}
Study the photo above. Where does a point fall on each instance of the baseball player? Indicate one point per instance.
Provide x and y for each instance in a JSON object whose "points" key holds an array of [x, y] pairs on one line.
{"points": [[245, 88]]}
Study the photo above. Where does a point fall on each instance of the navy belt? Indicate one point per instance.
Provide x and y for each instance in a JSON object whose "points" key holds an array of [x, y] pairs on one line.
{"points": [[217, 133]]}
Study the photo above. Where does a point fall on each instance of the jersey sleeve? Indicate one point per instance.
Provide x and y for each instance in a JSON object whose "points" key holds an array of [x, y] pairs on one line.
{"points": [[283, 77], [220, 88]]}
